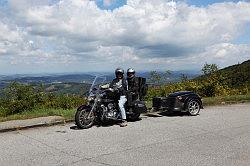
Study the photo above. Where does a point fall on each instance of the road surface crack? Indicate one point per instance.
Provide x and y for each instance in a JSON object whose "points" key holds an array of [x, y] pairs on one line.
{"points": [[61, 151], [52, 147]]}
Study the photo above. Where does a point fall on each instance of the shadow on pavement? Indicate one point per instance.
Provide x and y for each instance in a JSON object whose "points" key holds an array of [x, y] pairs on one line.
{"points": [[74, 128], [153, 115], [106, 124], [173, 114], [136, 120], [167, 113]]}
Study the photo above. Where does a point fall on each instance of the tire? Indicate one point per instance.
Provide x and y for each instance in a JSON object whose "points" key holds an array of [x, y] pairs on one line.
{"points": [[193, 107], [81, 118]]}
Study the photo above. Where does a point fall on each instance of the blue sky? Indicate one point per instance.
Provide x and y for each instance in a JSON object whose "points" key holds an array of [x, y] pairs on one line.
{"points": [[113, 4], [245, 37], [81, 36], [118, 3], [208, 2]]}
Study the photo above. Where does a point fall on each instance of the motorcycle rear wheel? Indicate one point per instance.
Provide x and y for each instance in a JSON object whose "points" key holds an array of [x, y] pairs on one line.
{"points": [[84, 118]]}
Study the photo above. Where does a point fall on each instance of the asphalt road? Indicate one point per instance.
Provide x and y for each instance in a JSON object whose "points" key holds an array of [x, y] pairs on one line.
{"points": [[218, 136]]}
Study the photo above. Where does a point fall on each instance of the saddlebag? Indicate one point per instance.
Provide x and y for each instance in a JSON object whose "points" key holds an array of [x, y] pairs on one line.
{"points": [[140, 107]]}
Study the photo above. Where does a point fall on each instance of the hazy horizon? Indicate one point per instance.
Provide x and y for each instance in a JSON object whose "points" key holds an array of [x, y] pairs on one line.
{"points": [[92, 72]]}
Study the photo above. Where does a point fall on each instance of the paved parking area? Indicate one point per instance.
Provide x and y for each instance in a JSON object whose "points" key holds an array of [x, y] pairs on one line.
{"points": [[220, 135]]}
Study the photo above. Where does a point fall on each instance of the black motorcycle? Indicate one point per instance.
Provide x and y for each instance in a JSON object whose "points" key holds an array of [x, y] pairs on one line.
{"points": [[103, 106]]}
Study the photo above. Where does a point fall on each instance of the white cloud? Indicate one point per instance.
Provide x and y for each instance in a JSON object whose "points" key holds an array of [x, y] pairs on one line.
{"points": [[226, 53], [10, 39], [143, 32]]}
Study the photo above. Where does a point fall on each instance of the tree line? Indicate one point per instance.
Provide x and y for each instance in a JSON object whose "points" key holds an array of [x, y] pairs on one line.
{"points": [[213, 82]]}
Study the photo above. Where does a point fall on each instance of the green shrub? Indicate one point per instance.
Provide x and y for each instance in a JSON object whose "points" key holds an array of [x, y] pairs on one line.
{"points": [[210, 87], [69, 101], [18, 98]]}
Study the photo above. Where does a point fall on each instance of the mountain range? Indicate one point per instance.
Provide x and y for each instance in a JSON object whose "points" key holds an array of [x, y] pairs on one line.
{"points": [[77, 77], [78, 83]]}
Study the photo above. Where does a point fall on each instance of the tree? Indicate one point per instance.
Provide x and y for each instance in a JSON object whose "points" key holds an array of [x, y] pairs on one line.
{"points": [[184, 77], [19, 98], [159, 77], [166, 75], [155, 77], [209, 69]]}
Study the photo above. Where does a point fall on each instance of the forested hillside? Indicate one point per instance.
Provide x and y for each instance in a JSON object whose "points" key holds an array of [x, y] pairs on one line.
{"points": [[237, 76], [232, 80]]}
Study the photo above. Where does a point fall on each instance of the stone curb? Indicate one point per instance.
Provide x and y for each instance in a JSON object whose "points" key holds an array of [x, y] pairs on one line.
{"points": [[42, 122], [32, 123]]}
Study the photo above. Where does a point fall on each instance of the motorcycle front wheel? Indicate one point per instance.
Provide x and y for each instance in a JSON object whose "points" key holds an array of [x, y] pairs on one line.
{"points": [[84, 118]]}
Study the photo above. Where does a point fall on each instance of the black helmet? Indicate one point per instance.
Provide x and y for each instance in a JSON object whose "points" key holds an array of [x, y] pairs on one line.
{"points": [[119, 72], [130, 73]]}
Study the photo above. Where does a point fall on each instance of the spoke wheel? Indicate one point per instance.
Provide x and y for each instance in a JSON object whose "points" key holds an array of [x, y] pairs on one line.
{"points": [[193, 107], [84, 119]]}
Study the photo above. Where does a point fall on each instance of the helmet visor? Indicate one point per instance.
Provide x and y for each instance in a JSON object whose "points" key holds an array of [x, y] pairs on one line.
{"points": [[119, 74], [130, 74]]}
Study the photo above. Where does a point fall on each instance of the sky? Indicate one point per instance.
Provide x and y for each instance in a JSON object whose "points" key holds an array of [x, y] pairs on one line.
{"points": [[65, 36]]}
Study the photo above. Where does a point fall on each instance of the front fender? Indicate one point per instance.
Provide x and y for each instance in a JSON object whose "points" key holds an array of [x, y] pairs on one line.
{"points": [[84, 107]]}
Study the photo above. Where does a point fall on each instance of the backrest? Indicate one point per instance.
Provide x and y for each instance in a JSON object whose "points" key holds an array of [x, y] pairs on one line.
{"points": [[143, 87]]}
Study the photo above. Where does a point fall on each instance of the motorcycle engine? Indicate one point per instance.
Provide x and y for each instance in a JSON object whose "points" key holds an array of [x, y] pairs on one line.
{"points": [[112, 111]]}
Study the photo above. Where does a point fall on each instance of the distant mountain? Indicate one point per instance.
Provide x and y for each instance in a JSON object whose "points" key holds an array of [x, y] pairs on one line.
{"points": [[174, 76], [72, 83], [46, 79], [67, 88], [49, 79], [79, 77]]}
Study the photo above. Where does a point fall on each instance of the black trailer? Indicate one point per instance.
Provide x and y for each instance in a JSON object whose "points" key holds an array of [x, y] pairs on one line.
{"points": [[179, 102]]}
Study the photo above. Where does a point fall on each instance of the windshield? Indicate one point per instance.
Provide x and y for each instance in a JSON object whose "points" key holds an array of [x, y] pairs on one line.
{"points": [[99, 80]]}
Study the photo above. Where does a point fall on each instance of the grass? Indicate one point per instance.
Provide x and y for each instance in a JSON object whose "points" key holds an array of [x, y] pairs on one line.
{"points": [[67, 114], [226, 100]]}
